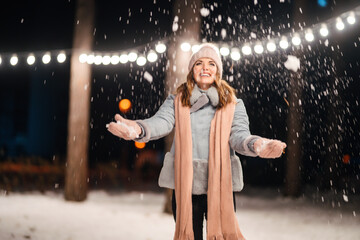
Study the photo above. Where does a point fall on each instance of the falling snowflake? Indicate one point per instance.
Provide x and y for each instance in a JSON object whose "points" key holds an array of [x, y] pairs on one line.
{"points": [[204, 12], [292, 63], [148, 77]]}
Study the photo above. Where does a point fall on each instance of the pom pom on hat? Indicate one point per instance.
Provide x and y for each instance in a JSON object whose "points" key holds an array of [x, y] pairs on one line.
{"points": [[207, 50]]}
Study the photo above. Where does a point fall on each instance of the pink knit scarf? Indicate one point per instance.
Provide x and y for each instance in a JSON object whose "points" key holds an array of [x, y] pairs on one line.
{"points": [[221, 219]]}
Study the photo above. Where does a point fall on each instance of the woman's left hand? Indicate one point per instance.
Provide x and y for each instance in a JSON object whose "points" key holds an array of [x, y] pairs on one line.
{"points": [[269, 148]]}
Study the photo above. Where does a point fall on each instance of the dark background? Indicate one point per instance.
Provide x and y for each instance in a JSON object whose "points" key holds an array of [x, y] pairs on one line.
{"points": [[34, 99]]}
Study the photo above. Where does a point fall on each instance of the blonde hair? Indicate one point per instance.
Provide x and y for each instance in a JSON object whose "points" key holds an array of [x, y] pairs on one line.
{"points": [[225, 91]]}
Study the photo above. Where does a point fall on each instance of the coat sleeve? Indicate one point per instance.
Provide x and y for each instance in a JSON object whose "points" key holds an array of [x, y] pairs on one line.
{"points": [[159, 125], [241, 139]]}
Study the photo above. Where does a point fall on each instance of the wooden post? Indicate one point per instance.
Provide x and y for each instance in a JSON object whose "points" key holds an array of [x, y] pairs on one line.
{"points": [[187, 19], [79, 105], [295, 122]]}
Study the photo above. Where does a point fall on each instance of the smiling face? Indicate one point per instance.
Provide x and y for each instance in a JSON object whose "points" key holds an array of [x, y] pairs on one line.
{"points": [[204, 72]]}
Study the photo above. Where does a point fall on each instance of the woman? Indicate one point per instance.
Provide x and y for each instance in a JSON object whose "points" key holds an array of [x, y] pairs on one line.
{"points": [[202, 167]]}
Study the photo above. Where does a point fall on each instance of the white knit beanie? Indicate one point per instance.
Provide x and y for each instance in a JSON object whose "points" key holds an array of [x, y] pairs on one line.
{"points": [[207, 50]]}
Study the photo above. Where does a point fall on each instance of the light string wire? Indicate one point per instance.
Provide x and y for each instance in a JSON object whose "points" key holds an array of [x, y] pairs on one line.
{"points": [[149, 52]]}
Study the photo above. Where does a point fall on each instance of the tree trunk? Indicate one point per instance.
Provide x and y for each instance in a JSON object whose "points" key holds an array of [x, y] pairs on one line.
{"points": [[79, 105], [188, 19]]}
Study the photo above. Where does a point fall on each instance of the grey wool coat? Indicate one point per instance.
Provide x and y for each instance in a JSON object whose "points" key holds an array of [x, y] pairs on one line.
{"points": [[203, 109]]}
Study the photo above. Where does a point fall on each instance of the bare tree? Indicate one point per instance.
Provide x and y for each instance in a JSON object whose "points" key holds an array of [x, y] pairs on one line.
{"points": [[187, 22], [79, 105]]}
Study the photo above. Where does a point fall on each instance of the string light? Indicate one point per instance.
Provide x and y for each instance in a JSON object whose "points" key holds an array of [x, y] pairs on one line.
{"points": [[141, 61], [115, 59], [246, 50], [132, 56], [283, 42], [224, 51], [106, 60], [160, 48], [90, 59], [61, 57], [258, 48], [46, 58], [309, 36], [296, 40], [124, 58], [195, 48], [30, 59], [271, 47], [351, 18], [83, 58], [339, 24], [324, 31], [152, 56], [98, 60], [185, 46], [235, 54], [14, 60]]}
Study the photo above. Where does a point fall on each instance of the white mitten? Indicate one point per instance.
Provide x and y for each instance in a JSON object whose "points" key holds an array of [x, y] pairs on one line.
{"points": [[124, 128], [269, 148]]}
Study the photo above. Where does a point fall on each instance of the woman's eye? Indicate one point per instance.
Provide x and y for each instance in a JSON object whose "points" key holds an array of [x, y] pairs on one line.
{"points": [[198, 63]]}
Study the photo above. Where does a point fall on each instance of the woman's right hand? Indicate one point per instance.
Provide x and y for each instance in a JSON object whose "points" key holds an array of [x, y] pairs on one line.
{"points": [[124, 128]]}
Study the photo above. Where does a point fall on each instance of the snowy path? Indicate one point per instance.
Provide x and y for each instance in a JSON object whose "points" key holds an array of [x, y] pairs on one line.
{"points": [[138, 216]]}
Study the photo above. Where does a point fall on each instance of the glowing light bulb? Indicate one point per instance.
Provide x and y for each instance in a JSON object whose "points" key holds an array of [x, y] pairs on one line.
{"points": [[140, 145], [124, 58], [46, 58], [351, 18], [30, 59], [141, 61], [160, 48], [246, 50], [152, 56], [195, 48], [324, 31], [340, 24], [125, 105], [61, 57], [296, 40], [114, 59], [14, 60], [258, 48], [284, 44], [0, 60], [83, 58], [98, 60], [309, 36], [106, 60], [235, 54], [90, 59], [271, 47], [185, 46], [132, 56], [224, 51]]}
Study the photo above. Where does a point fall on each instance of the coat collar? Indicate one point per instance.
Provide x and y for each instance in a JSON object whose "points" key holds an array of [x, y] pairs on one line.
{"points": [[201, 97]]}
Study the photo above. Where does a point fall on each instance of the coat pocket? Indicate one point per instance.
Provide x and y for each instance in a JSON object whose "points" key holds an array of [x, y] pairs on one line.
{"points": [[237, 173], [167, 173]]}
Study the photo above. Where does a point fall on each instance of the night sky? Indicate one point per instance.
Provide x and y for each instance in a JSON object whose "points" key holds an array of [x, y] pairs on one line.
{"points": [[34, 99]]}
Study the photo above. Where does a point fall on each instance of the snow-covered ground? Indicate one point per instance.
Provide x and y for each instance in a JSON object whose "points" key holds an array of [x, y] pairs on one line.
{"points": [[139, 216]]}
